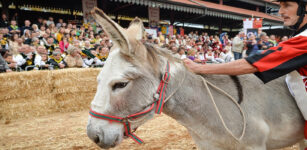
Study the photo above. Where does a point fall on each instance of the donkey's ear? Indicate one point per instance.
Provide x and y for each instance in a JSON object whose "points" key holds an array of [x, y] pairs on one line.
{"points": [[112, 29], [136, 28]]}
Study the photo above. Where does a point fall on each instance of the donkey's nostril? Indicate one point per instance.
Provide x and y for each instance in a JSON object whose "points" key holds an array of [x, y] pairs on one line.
{"points": [[96, 139], [117, 139]]}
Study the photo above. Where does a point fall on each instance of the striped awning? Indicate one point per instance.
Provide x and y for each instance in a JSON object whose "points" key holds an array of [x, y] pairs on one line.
{"points": [[164, 5], [206, 8], [223, 15]]}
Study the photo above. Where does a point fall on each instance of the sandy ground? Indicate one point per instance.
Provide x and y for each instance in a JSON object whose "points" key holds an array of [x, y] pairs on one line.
{"points": [[68, 131]]}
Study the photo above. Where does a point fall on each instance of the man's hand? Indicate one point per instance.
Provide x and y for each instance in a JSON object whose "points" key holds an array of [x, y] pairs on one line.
{"points": [[12, 65], [30, 56], [192, 66], [94, 53], [61, 66]]}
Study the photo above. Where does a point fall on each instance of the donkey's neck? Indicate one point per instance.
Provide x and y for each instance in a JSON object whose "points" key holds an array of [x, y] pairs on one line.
{"points": [[185, 102], [192, 108]]}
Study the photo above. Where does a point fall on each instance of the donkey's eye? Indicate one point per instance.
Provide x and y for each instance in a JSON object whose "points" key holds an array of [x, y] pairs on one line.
{"points": [[119, 85]]}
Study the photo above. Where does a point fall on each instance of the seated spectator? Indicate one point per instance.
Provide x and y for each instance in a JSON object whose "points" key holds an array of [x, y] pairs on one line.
{"points": [[92, 59], [26, 27], [4, 42], [73, 59], [102, 53], [76, 43], [35, 42], [27, 37], [87, 49], [5, 32], [266, 44], [59, 36], [13, 28], [252, 45], [29, 58], [87, 46], [57, 62], [3, 64], [17, 57], [50, 46], [273, 40], [10, 62], [210, 56], [50, 21], [35, 29], [42, 64], [226, 55], [201, 55], [64, 44], [181, 52], [108, 43], [60, 23], [41, 50], [284, 38], [42, 31], [4, 22], [174, 48], [219, 57], [192, 55], [15, 43]]}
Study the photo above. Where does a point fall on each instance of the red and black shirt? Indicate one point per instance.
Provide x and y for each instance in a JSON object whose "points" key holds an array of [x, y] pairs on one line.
{"points": [[280, 60]]}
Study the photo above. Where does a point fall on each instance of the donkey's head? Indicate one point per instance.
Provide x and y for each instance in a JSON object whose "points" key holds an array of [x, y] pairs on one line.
{"points": [[126, 83]]}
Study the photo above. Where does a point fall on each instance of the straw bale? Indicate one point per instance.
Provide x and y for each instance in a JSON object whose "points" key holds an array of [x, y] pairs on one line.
{"points": [[37, 93], [24, 84], [72, 80], [26, 107], [71, 102]]}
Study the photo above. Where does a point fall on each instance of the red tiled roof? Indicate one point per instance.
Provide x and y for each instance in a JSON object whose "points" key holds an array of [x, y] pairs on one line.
{"points": [[230, 9]]}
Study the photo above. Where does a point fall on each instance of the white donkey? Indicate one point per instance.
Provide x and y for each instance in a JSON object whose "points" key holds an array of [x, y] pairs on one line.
{"points": [[135, 70]]}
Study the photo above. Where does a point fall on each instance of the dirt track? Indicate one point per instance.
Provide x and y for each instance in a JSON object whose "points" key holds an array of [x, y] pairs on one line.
{"points": [[68, 131]]}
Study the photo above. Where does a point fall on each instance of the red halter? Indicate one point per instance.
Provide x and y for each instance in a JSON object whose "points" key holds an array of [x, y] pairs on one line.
{"points": [[158, 102]]}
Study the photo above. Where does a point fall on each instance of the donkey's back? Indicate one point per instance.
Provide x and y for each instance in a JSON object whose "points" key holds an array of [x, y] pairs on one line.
{"points": [[278, 110], [273, 118]]}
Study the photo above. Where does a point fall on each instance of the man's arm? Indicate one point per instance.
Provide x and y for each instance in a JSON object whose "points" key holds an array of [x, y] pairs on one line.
{"points": [[237, 67]]}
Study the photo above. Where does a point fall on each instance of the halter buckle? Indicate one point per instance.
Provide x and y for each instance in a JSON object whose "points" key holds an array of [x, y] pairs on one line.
{"points": [[163, 80], [156, 96]]}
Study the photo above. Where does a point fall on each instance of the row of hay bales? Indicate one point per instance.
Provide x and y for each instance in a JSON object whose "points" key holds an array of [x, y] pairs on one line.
{"points": [[38, 93]]}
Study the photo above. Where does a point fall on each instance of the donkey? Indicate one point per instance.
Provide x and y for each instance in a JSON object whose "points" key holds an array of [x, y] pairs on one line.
{"points": [[131, 76]]}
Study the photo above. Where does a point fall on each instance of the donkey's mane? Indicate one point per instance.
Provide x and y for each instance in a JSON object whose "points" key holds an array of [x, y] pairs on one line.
{"points": [[154, 54]]}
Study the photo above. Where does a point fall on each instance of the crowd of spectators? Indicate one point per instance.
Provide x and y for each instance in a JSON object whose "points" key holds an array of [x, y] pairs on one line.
{"points": [[46, 44], [204, 48], [49, 45]]}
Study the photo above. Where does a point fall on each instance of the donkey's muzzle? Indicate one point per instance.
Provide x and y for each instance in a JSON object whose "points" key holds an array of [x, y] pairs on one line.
{"points": [[99, 138]]}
